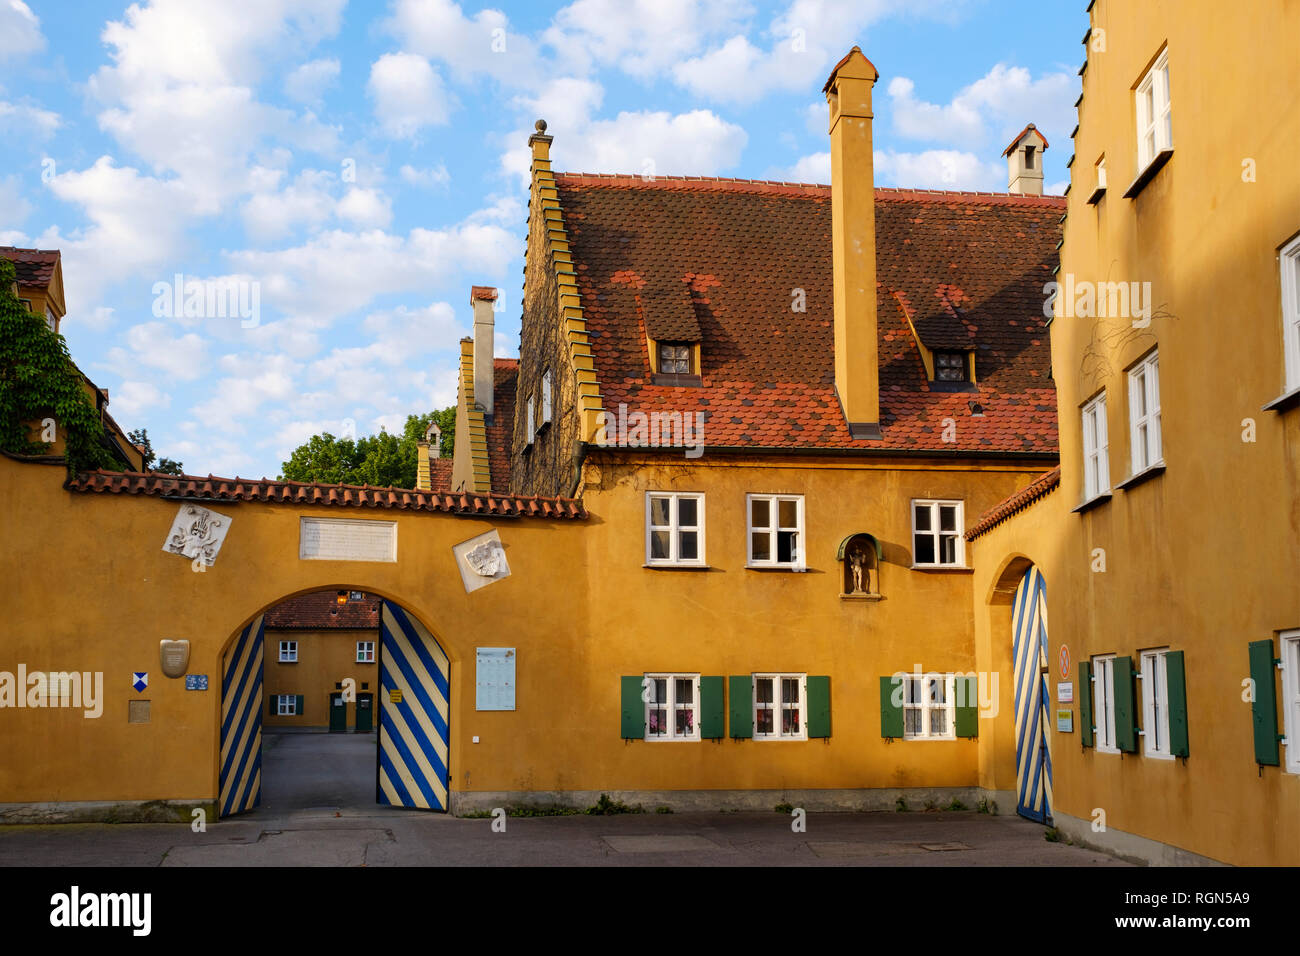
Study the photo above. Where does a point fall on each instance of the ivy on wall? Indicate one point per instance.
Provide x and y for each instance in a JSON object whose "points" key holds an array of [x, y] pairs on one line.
{"points": [[41, 391]]}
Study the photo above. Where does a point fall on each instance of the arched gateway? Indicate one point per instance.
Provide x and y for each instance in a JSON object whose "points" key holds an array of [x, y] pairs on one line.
{"points": [[1029, 656]]}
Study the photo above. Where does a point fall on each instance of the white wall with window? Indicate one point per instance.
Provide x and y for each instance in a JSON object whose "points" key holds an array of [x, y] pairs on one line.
{"points": [[365, 652], [1155, 704], [937, 533], [1290, 259], [779, 709], [1144, 414], [288, 652], [775, 531], [1154, 116], [1103, 702], [1291, 698], [1096, 451], [672, 709], [929, 707], [674, 535]]}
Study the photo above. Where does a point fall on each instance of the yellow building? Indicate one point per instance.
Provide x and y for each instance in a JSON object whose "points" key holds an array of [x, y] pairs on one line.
{"points": [[1168, 548]]}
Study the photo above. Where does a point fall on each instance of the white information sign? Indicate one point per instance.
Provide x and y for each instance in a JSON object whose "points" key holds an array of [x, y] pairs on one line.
{"points": [[347, 539], [1065, 692], [494, 678]]}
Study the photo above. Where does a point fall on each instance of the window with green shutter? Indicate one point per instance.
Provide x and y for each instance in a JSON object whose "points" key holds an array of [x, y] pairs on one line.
{"points": [[819, 707], [1086, 726], [1125, 691], [891, 706], [298, 708], [1264, 707], [1176, 675], [632, 725], [968, 709], [712, 708], [742, 705]]}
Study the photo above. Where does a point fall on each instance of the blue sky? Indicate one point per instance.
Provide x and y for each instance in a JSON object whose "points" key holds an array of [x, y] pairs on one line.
{"points": [[362, 164]]}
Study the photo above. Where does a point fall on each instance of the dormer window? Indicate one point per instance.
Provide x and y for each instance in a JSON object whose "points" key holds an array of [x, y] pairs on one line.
{"points": [[675, 358], [950, 367]]}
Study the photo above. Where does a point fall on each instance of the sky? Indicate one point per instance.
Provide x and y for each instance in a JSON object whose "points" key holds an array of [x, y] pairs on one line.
{"points": [[347, 170]]}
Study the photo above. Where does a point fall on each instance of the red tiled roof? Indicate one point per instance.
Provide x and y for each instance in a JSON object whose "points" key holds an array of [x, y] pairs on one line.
{"points": [[967, 267], [32, 267], [484, 292], [440, 474], [1040, 487], [501, 430], [321, 609], [218, 490]]}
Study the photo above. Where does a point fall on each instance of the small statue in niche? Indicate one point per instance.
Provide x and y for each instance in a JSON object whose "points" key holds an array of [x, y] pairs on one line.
{"points": [[857, 562]]}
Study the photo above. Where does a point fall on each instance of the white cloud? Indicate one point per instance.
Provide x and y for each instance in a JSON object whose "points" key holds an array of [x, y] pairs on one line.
{"points": [[307, 200], [938, 169], [14, 208], [425, 178], [131, 398], [366, 208], [813, 168], [20, 30], [482, 45], [408, 94], [151, 345], [308, 82], [21, 120], [250, 382]]}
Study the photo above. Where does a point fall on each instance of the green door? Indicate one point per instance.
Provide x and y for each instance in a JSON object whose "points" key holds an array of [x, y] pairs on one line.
{"points": [[338, 714], [365, 713]]}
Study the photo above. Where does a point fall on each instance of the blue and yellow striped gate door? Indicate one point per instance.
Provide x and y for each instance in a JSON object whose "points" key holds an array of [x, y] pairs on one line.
{"points": [[1033, 759], [413, 712], [241, 722]]}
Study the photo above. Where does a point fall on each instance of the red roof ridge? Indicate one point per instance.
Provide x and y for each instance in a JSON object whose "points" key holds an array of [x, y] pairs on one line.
{"points": [[505, 362], [1040, 487]]}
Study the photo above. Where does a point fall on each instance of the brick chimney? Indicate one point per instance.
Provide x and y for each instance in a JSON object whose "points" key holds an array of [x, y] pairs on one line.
{"points": [[483, 298], [853, 242], [1025, 162]]}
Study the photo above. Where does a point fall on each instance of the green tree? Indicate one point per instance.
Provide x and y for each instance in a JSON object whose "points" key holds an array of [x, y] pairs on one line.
{"points": [[383, 460], [38, 381], [166, 466]]}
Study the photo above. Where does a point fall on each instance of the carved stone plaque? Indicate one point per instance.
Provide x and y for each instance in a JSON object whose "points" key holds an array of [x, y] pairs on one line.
{"points": [[197, 533], [347, 539], [173, 657], [482, 561]]}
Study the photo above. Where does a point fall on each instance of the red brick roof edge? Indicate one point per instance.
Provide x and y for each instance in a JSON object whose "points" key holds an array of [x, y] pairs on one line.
{"points": [[217, 490], [1040, 487]]}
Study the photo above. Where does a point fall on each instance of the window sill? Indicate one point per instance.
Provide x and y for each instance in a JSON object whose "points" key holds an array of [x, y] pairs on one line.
{"points": [[676, 379], [952, 568], [677, 567], [1158, 756], [1284, 402], [1144, 475], [1096, 195], [788, 740], [930, 740], [1157, 163], [862, 596], [1092, 502], [774, 567]]}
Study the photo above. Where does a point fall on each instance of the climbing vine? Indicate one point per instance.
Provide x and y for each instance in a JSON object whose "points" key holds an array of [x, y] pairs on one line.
{"points": [[42, 394]]}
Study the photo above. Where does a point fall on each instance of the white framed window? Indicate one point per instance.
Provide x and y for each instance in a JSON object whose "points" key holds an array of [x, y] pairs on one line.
{"points": [[1154, 119], [365, 652], [548, 392], [937, 528], [1144, 413], [1101, 173], [286, 705], [674, 529], [530, 421], [1291, 698], [1290, 259], [672, 706], [50, 320], [779, 709], [288, 652], [1103, 701], [1155, 704], [1096, 449], [929, 707], [775, 527]]}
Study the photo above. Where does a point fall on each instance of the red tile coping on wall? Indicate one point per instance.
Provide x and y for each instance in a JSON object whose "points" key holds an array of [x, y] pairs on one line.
{"points": [[217, 490], [1040, 487], [321, 610]]}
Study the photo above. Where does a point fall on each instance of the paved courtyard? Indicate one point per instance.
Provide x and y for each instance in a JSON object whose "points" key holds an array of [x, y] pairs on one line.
{"points": [[318, 810]]}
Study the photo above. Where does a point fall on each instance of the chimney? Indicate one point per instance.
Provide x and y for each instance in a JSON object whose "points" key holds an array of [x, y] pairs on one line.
{"points": [[853, 242], [1025, 162], [483, 298]]}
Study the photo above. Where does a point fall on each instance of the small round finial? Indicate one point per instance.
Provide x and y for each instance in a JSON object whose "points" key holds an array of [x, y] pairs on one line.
{"points": [[540, 125]]}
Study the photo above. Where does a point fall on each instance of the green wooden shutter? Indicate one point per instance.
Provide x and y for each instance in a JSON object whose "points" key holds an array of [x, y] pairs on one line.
{"points": [[299, 710], [633, 708], [742, 705], [713, 720], [891, 715], [271, 700], [968, 710], [1125, 705], [1264, 707], [1086, 728], [819, 707], [1176, 684]]}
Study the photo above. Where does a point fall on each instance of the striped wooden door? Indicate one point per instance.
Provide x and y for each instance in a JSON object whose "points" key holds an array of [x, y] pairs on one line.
{"points": [[241, 722], [1029, 643], [413, 712]]}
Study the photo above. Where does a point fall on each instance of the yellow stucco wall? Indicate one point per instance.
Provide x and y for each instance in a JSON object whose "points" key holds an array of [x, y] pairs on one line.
{"points": [[325, 657], [1202, 558]]}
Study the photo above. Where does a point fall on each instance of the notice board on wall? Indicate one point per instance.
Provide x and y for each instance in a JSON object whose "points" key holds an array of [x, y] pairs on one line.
{"points": [[494, 678]]}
